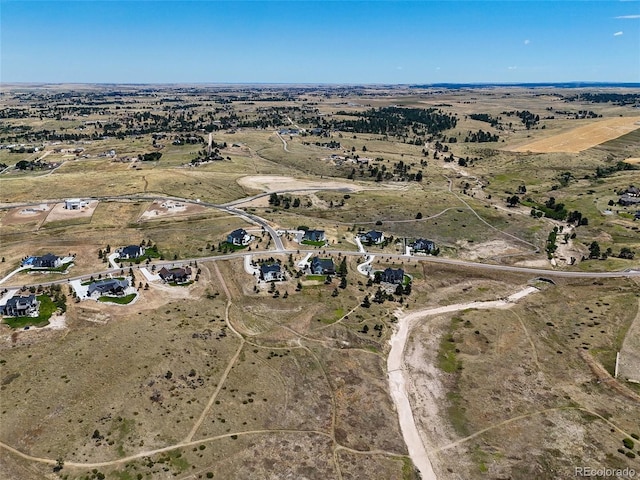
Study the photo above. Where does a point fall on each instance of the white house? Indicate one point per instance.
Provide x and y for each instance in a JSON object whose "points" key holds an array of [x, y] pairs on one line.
{"points": [[74, 204]]}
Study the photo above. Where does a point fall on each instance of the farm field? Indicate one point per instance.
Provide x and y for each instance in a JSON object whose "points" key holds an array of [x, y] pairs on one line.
{"points": [[581, 138]]}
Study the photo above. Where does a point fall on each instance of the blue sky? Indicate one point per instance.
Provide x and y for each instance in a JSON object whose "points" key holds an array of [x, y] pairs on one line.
{"points": [[319, 42]]}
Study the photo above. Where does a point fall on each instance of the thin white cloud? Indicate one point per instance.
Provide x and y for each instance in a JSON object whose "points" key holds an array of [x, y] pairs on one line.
{"points": [[617, 34], [527, 42], [627, 17], [512, 68]]}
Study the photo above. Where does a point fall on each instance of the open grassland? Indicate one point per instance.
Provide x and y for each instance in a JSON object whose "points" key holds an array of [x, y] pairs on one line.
{"points": [[129, 379], [517, 374], [583, 137], [229, 377]]}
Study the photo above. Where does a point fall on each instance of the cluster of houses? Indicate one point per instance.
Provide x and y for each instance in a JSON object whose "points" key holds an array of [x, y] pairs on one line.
{"points": [[419, 245]]}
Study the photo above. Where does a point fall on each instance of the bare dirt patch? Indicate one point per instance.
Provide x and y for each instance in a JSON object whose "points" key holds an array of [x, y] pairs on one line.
{"points": [[269, 183], [633, 160], [583, 137], [170, 208], [31, 214], [494, 248], [58, 212]]}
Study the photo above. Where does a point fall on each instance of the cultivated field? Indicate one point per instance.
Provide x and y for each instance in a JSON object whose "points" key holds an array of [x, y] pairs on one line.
{"points": [[581, 138]]}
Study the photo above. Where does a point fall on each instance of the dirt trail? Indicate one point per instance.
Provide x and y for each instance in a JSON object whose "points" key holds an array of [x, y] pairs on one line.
{"points": [[230, 365], [398, 379]]}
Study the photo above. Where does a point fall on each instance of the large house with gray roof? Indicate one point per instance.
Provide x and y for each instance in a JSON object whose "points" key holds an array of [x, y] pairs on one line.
{"points": [[21, 307], [109, 286]]}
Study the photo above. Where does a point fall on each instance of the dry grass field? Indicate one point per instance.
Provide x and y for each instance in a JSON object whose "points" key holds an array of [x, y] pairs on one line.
{"points": [[512, 381], [581, 138], [229, 377]]}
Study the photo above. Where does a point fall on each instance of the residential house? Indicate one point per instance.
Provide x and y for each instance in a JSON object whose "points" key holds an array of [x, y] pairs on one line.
{"points": [[21, 307], [372, 238], [74, 204], [422, 245], [633, 191], [270, 272], [239, 237], [131, 251], [46, 261], [109, 286], [390, 275], [314, 236], [322, 266], [177, 275], [627, 200]]}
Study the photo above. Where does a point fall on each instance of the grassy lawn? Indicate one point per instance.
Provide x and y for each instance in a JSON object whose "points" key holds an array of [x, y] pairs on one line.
{"points": [[47, 308], [317, 278], [231, 246], [313, 243], [119, 300], [149, 253]]}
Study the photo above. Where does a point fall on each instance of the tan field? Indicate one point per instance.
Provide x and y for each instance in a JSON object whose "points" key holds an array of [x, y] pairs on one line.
{"points": [[582, 138], [633, 161]]}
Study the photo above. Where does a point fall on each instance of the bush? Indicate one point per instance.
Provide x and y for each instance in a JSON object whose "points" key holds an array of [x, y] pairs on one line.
{"points": [[628, 443]]}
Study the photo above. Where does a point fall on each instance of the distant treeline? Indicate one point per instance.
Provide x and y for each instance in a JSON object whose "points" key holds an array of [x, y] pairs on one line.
{"points": [[615, 98], [397, 121]]}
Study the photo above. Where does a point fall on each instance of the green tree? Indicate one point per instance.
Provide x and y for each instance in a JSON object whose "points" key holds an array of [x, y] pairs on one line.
{"points": [[594, 250], [366, 303]]}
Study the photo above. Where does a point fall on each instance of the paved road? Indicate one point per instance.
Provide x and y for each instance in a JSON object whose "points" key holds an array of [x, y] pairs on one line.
{"points": [[279, 247], [534, 272]]}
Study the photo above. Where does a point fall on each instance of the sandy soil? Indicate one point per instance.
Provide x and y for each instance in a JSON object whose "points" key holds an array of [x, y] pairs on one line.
{"points": [[26, 214], [168, 208], [269, 183], [58, 212], [629, 362], [477, 251], [420, 439], [633, 160], [583, 137]]}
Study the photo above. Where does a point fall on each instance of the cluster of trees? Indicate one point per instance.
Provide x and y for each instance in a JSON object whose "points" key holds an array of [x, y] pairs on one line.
{"points": [[397, 121], [150, 157], [618, 167], [615, 98], [485, 117], [595, 252], [528, 119], [481, 137], [401, 170], [285, 200]]}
